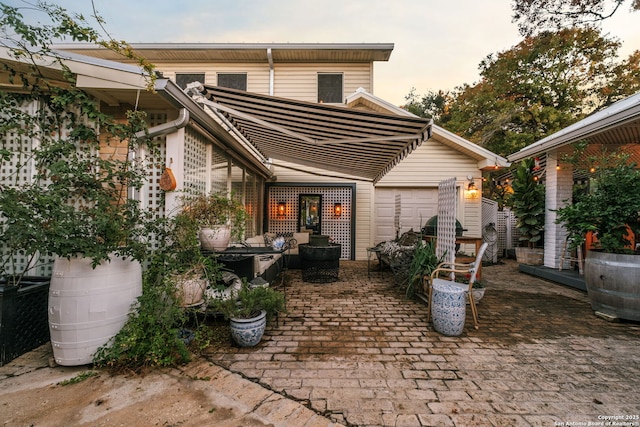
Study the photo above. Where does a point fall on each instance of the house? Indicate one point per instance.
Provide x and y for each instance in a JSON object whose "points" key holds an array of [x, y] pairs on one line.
{"points": [[292, 128], [615, 127]]}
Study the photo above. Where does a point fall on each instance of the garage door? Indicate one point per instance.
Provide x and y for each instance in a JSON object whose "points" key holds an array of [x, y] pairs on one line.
{"points": [[417, 206]]}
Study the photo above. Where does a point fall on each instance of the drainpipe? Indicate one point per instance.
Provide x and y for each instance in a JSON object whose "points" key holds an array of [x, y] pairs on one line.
{"points": [[172, 126], [271, 71]]}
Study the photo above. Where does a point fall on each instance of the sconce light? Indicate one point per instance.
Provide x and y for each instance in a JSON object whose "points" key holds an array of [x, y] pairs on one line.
{"points": [[337, 209], [282, 207], [472, 191]]}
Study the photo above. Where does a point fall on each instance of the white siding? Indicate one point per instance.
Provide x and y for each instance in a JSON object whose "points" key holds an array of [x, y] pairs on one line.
{"points": [[300, 81]]}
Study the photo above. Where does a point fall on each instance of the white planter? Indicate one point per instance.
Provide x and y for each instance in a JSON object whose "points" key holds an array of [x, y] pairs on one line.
{"points": [[216, 238], [248, 332], [88, 306], [190, 290], [478, 293]]}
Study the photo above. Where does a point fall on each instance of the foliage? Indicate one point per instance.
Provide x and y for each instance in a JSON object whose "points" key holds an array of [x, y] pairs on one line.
{"points": [[528, 203], [214, 209], [537, 87], [424, 261], [540, 15], [150, 336], [609, 207], [76, 202], [78, 378], [431, 106], [248, 301]]}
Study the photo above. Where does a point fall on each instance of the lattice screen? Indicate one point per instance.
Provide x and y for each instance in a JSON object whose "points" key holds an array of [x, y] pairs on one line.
{"points": [[195, 162], [18, 170], [446, 243], [339, 229], [508, 234]]}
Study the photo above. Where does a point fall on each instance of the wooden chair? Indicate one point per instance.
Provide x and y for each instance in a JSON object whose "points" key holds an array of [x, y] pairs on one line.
{"points": [[453, 268]]}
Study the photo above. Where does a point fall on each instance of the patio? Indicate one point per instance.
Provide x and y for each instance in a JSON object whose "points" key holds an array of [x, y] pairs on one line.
{"points": [[357, 353]]}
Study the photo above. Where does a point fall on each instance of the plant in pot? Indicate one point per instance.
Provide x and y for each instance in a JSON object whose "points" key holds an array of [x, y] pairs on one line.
{"points": [[611, 211], [221, 217], [190, 271], [424, 261], [249, 311], [528, 205], [66, 192]]}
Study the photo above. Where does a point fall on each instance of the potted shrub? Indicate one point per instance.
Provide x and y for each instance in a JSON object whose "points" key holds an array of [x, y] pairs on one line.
{"points": [[249, 311], [67, 193], [528, 205], [610, 210], [221, 217], [185, 265]]}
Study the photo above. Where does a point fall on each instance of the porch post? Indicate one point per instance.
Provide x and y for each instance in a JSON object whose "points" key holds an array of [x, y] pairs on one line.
{"points": [[559, 188]]}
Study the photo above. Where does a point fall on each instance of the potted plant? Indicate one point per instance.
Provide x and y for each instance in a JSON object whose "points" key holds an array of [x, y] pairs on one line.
{"points": [[66, 194], [185, 265], [424, 261], [221, 217], [528, 205], [610, 210], [249, 311]]}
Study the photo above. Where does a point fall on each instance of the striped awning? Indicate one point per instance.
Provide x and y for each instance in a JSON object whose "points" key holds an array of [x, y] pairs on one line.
{"points": [[333, 138]]}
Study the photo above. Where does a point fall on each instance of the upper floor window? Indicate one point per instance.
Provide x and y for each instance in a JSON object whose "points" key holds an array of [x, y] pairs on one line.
{"points": [[233, 80], [182, 80], [330, 88]]}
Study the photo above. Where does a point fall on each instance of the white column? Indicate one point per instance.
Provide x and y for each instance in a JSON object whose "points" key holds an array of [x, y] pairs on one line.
{"points": [[559, 188]]}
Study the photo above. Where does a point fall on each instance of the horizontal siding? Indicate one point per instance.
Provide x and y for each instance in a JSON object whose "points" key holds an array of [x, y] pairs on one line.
{"points": [[295, 81], [300, 81], [257, 74], [429, 164]]}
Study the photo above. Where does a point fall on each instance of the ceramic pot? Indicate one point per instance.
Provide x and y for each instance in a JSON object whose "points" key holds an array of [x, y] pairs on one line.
{"points": [[216, 238], [248, 332]]}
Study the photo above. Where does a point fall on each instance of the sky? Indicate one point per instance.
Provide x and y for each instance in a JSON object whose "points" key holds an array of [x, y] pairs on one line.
{"points": [[438, 45]]}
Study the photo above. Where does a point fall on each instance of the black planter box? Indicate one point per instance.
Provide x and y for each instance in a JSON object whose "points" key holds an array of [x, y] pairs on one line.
{"points": [[24, 323]]}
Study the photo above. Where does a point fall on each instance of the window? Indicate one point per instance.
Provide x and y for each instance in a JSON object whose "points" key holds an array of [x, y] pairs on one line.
{"points": [[330, 88], [182, 80], [233, 81]]}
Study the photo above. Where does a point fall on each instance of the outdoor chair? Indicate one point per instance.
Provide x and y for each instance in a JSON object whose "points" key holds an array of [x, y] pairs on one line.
{"points": [[451, 269]]}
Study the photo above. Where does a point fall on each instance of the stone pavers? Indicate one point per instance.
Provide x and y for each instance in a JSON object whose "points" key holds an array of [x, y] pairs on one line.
{"points": [[360, 353]]}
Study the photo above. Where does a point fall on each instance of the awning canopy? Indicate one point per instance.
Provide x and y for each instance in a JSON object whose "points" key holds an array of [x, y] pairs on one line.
{"points": [[333, 138]]}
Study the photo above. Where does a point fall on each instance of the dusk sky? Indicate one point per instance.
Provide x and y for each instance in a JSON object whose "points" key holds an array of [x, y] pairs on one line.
{"points": [[438, 44]]}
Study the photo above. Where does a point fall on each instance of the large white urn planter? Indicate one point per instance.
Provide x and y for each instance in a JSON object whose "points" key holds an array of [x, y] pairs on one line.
{"points": [[88, 306]]}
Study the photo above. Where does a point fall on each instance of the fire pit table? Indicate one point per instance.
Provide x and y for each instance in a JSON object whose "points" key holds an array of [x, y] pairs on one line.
{"points": [[320, 263]]}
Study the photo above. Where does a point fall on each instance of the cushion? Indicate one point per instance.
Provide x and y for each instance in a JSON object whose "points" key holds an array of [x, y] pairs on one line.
{"points": [[301, 238], [255, 241]]}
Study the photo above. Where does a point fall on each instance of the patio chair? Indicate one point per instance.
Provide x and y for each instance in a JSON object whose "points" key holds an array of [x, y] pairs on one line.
{"points": [[451, 269]]}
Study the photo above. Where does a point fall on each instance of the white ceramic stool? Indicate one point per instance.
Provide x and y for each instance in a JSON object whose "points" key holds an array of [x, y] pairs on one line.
{"points": [[448, 309]]}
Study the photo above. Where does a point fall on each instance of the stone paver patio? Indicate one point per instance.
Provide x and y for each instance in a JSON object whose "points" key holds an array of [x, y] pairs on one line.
{"points": [[361, 354]]}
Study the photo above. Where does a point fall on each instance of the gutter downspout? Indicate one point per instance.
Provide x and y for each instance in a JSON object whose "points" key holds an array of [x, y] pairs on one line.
{"points": [[271, 72], [172, 126]]}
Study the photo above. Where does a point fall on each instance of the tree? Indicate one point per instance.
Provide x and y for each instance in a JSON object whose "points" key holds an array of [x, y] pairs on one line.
{"points": [[533, 16], [431, 106], [539, 86]]}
